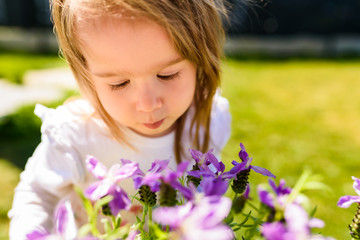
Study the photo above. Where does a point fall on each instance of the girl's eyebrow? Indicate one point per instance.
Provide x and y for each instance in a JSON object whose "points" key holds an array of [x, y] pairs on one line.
{"points": [[160, 66]]}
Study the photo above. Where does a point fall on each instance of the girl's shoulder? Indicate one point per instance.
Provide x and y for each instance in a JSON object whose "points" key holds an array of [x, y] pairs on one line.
{"points": [[70, 113], [220, 106], [220, 123], [74, 119]]}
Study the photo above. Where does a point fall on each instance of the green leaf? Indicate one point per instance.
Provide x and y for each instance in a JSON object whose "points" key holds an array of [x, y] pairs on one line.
{"points": [[159, 234], [107, 225], [307, 181], [103, 201], [85, 230]]}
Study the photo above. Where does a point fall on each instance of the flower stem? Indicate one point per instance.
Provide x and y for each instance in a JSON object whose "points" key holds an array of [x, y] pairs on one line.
{"points": [[144, 213], [253, 206], [150, 221], [235, 196]]}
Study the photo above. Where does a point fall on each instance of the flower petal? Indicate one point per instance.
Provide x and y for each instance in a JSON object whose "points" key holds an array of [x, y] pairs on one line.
{"points": [[218, 232], [187, 192], [356, 185], [281, 189], [152, 180], [197, 156], [158, 166], [132, 235], [211, 211], [37, 234], [296, 219], [98, 190], [262, 171], [273, 231], [234, 171], [195, 173], [243, 155], [316, 223], [172, 216], [265, 197], [120, 200], [137, 182], [170, 176], [125, 171], [214, 161], [64, 221], [247, 192], [214, 186], [181, 168], [346, 201], [96, 168]]}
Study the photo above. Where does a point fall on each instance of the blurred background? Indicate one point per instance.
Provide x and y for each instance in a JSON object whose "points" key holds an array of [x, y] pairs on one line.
{"points": [[323, 28], [291, 74]]}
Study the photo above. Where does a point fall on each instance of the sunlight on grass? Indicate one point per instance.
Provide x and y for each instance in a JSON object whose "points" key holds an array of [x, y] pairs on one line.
{"points": [[10, 178], [13, 66], [294, 114]]}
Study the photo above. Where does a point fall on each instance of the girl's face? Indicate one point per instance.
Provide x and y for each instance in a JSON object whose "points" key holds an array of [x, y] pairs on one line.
{"points": [[141, 80]]}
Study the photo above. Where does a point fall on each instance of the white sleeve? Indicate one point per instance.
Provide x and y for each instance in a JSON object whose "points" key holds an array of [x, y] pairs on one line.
{"points": [[220, 125], [48, 176]]}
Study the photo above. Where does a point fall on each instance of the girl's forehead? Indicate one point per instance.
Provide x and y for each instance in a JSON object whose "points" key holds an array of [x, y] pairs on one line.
{"points": [[121, 15], [108, 27], [126, 44]]}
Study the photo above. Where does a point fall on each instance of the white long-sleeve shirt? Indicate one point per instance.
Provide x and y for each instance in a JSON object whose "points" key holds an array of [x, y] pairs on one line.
{"points": [[69, 134]]}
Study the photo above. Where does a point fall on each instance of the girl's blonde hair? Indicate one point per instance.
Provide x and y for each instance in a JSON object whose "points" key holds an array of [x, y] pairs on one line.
{"points": [[195, 28]]}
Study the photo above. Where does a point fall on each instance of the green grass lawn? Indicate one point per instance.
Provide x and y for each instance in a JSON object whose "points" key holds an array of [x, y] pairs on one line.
{"points": [[290, 115], [293, 115], [9, 179], [14, 65]]}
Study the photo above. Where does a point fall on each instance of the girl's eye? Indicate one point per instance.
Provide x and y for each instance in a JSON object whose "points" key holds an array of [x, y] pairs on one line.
{"points": [[168, 77], [119, 86]]}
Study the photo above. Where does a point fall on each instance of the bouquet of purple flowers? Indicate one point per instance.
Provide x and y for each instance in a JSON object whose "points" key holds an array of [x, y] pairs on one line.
{"points": [[206, 202]]}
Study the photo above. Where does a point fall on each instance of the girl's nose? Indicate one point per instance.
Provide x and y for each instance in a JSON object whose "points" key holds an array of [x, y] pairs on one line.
{"points": [[148, 100]]}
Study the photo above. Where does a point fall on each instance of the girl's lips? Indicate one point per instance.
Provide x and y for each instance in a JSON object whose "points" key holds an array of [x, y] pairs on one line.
{"points": [[154, 125]]}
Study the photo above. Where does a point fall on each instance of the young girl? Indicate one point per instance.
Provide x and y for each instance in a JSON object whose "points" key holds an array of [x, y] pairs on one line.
{"points": [[149, 73]]}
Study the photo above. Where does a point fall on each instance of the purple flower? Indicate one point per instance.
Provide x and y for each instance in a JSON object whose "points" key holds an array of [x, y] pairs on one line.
{"points": [[208, 164], [171, 178], [197, 221], [120, 200], [281, 192], [132, 235], [64, 228], [245, 165], [211, 171], [213, 186], [297, 225], [160, 173], [108, 182], [246, 194], [274, 231], [38, 234], [266, 197], [116, 173], [281, 189], [199, 157], [151, 178], [347, 200]]}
